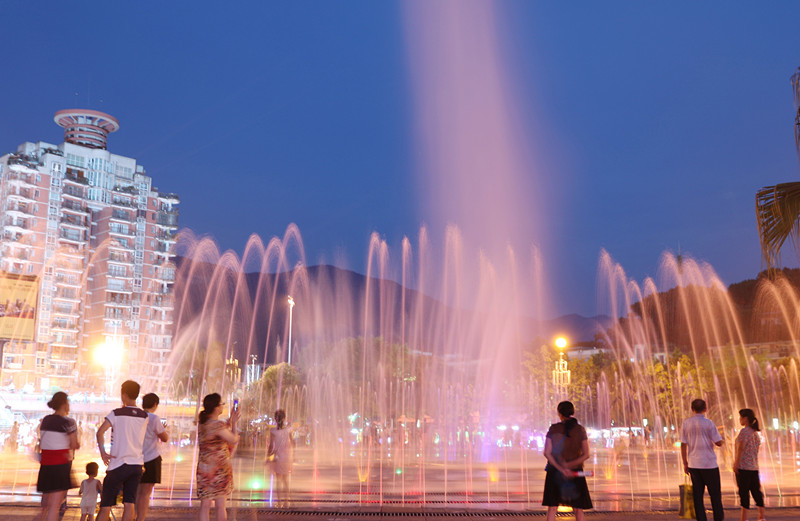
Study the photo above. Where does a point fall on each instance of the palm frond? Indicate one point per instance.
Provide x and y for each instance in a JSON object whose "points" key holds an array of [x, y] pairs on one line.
{"points": [[796, 91], [778, 214]]}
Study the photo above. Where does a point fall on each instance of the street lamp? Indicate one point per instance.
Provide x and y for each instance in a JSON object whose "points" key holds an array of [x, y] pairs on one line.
{"points": [[561, 372], [291, 307], [109, 356]]}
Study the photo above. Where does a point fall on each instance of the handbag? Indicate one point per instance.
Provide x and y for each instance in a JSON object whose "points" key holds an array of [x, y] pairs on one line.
{"points": [[686, 508], [37, 447]]}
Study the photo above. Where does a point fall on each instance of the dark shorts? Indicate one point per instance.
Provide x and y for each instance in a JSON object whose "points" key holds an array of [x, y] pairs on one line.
{"points": [[124, 477], [55, 478], [152, 471]]}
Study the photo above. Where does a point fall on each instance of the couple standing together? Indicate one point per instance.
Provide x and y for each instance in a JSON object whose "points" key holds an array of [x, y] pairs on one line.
{"points": [[699, 436]]}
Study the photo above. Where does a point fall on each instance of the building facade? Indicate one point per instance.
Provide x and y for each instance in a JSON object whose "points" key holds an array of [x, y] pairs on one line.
{"points": [[86, 263]]}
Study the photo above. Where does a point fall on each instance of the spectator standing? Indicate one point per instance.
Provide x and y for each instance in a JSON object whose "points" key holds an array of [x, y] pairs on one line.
{"points": [[745, 464], [58, 441], [566, 448], [699, 435], [279, 453], [90, 488], [151, 453], [216, 440], [128, 425]]}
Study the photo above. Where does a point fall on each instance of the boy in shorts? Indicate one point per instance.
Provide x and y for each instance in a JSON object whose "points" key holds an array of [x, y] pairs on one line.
{"points": [[128, 424], [152, 455]]}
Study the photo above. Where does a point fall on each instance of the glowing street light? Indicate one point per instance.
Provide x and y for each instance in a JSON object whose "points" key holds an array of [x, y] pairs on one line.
{"points": [[109, 355], [291, 307]]}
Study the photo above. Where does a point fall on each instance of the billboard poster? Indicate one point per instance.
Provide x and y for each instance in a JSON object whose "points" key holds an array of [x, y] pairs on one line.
{"points": [[18, 300]]}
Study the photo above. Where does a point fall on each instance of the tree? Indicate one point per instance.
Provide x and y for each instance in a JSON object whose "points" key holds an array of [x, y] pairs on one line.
{"points": [[778, 207]]}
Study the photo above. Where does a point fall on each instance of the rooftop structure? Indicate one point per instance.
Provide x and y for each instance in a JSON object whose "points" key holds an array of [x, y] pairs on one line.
{"points": [[88, 128]]}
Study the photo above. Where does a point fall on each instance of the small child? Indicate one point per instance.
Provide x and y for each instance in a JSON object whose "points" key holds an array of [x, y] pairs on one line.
{"points": [[89, 490]]}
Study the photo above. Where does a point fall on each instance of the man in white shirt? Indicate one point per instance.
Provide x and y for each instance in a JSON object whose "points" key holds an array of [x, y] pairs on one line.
{"points": [[128, 424], [699, 436], [152, 455]]}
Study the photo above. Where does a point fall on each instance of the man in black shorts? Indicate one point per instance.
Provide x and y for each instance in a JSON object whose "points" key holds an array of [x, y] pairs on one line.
{"points": [[152, 455], [128, 424]]}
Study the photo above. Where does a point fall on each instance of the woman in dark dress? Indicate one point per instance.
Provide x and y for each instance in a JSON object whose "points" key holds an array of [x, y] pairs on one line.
{"points": [[566, 448], [58, 440]]}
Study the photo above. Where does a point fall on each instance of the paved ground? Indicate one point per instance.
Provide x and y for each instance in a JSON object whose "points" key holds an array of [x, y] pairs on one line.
{"points": [[28, 512]]}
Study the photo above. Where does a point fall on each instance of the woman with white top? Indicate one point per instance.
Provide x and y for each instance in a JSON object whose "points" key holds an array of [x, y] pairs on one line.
{"points": [[280, 454], [745, 464], [58, 440]]}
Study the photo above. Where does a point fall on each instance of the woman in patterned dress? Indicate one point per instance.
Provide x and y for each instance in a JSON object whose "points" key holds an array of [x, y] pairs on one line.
{"points": [[216, 440], [745, 464]]}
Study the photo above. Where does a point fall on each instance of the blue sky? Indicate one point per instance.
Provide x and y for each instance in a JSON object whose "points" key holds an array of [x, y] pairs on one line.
{"points": [[655, 124]]}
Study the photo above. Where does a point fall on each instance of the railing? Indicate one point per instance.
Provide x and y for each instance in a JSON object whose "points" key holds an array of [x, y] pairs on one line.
{"points": [[75, 221], [77, 237], [167, 219], [71, 205], [122, 216], [116, 201], [71, 176], [168, 195]]}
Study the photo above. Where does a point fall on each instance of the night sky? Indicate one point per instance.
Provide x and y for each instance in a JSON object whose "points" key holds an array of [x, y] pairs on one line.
{"points": [[651, 125]]}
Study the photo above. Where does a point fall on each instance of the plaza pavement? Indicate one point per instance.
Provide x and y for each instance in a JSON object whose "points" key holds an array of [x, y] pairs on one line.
{"points": [[29, 511]]}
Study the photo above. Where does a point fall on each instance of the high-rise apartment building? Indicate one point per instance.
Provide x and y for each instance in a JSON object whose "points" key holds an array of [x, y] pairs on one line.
{"points": [[86, 269]]}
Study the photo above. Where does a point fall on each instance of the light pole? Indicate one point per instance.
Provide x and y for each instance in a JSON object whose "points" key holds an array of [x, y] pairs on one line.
{"points": [[561, 372], [291, 307]]}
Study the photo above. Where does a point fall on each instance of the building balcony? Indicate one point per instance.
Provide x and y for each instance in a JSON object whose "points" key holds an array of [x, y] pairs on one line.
{"points": [[169, 197], [15, 208], [70, 241], [64, 326], [63, 264], [74, 207], [119, 285], [73, 193], [122, 203], [72, 177], [66, 311], [71, 251], [167, 235], [78, 238], [66, 342], [163, 302], [121, 232], [120, 216], [67, 296], [165, 219], [20, 179], [75, 222], [25, 196], [117, 258], [68, 282], [18, 253]]}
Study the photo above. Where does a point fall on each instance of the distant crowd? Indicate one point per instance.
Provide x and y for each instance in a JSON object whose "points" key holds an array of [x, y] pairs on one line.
{"points": [[133, 462]]}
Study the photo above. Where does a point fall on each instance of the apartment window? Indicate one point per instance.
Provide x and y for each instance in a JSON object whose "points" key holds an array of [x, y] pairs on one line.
{"points": [[38, 178], [117, 271], [36, 194]]}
